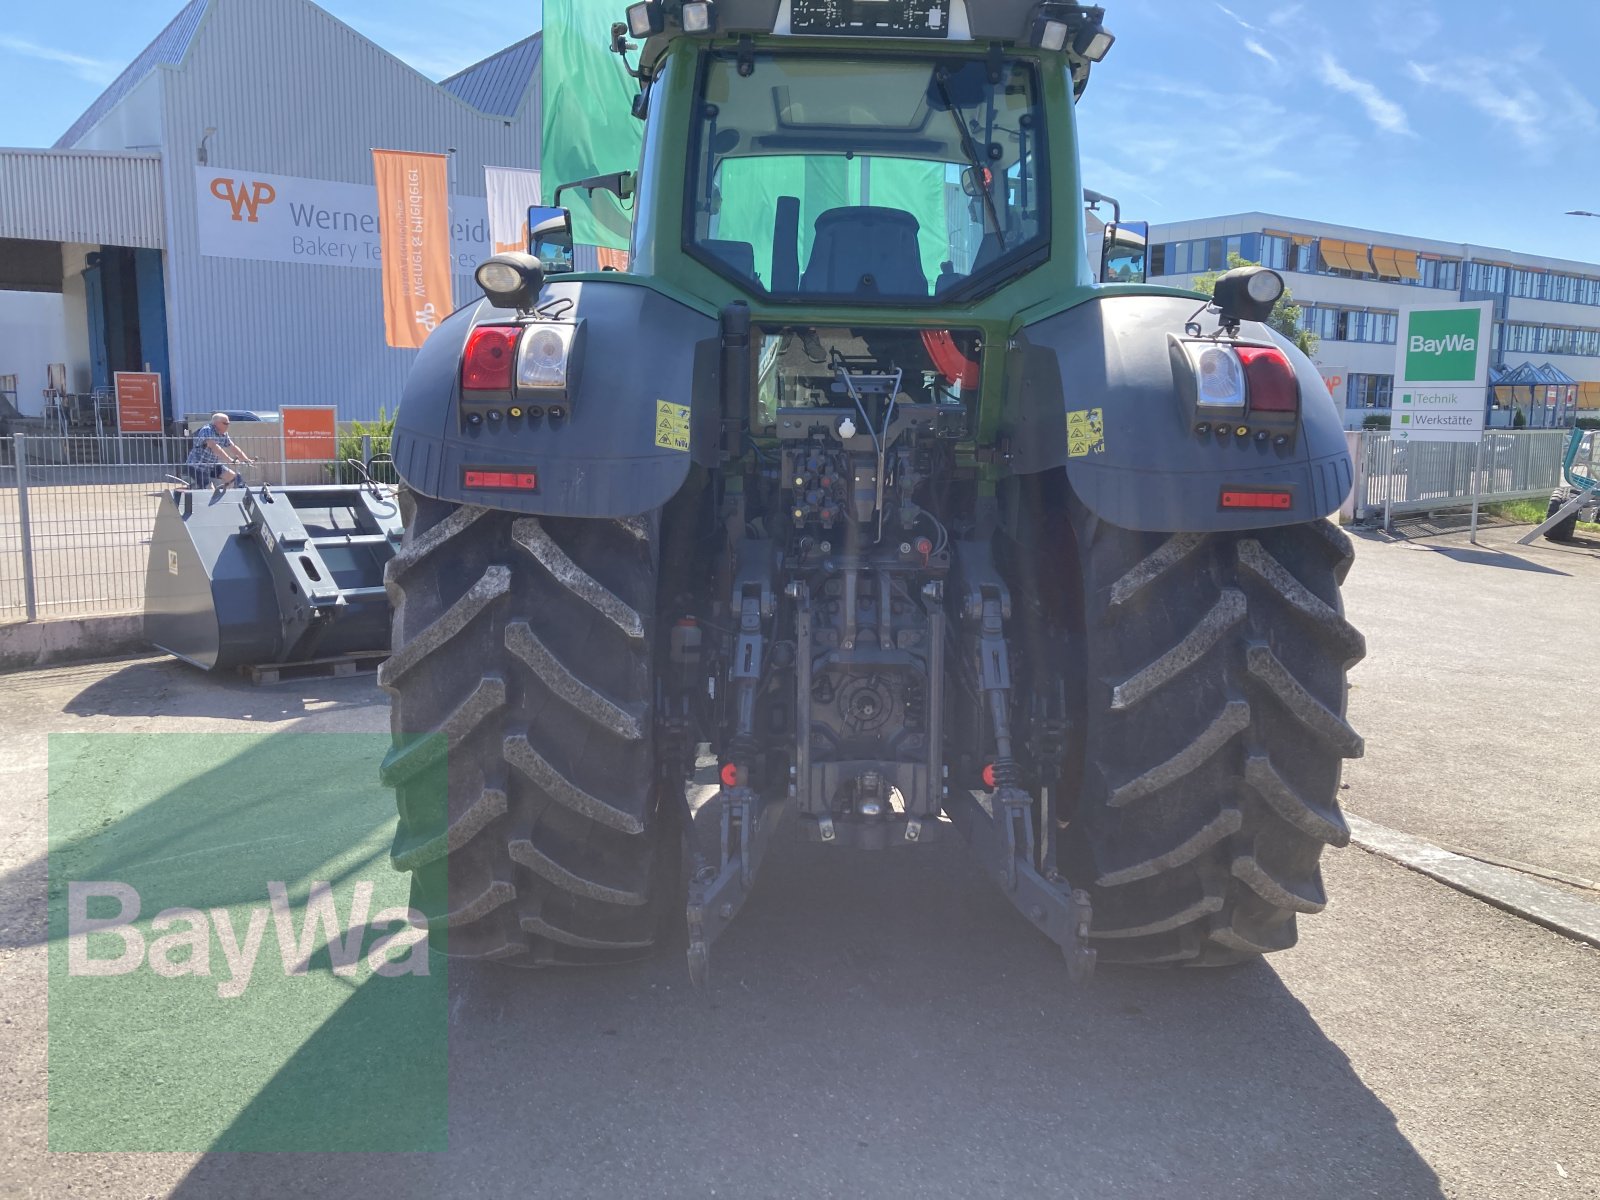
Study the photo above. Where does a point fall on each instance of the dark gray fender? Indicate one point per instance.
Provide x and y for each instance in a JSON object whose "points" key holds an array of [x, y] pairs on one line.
{"points": [[640, 348], [1152, 471]]}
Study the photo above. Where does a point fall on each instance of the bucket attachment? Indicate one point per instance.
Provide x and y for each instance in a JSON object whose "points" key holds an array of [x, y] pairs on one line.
{"points": [[270, 575]]}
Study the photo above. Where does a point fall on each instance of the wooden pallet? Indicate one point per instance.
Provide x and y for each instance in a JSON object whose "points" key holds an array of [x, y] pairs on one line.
{"points": [[363, 662]]}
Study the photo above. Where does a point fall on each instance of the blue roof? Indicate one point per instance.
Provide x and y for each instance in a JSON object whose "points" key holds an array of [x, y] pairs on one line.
{"points": [[168, 49], [498, 84]]}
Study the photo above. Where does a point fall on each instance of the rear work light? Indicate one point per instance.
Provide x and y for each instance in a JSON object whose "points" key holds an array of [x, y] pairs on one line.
{"points": [[500, 481], [1270, 499], [490, 359], [1273, 386]]}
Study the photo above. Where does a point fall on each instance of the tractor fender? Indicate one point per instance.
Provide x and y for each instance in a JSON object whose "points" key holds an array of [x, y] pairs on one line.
{"points": [[1111, 370], [647, 384]]}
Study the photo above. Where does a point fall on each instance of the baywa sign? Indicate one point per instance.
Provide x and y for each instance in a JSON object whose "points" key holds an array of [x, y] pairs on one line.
{"points": [[280, 218], [1442, 373], [1442, 345]]}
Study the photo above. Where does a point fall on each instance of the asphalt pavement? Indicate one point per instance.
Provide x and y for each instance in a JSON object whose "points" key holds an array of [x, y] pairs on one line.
{"points": [[886, 1025]]}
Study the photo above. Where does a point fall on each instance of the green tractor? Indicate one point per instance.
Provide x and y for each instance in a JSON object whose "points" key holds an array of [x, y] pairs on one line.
{"points": [[862, 481]]}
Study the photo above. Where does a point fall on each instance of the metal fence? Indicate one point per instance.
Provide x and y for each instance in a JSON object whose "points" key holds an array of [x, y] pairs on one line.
{"points": [[1412, 477], [76, 513]]}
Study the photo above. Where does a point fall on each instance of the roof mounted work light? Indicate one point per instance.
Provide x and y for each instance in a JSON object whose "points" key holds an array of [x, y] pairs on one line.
{"points": [[1076, 27], [647, 19], [698, 16]]}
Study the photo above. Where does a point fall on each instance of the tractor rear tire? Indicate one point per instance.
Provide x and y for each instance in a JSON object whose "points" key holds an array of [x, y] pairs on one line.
{"points": [[523, 756], [1214, 733], [1568, 529]]}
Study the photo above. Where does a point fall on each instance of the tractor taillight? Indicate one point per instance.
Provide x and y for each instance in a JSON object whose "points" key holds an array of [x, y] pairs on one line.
{"points": [[490, 358], [1273, 386]]}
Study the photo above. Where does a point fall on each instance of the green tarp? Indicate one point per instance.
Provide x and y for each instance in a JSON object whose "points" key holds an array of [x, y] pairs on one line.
{"points": [[589, 128]]}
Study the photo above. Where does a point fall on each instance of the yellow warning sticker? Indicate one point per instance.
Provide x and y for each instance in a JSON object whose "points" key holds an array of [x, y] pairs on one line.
{"points": [[1086, 433], [672, 426]]}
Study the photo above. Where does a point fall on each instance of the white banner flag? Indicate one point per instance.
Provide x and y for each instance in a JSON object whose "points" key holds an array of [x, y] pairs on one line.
{"points": [[512, 192]]}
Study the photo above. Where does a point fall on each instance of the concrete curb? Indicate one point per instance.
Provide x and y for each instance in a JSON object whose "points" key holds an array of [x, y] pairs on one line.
{"points": [[1502, 887], [29, 644]]}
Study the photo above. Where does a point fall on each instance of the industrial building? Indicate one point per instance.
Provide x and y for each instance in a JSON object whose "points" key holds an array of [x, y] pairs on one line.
{"points": [[1352, 284], [212, 216]]}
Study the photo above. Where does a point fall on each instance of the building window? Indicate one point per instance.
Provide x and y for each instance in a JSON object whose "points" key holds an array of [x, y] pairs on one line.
{"points": [[1370, 391], [1351, 325], [1528, 285], [1486, 278], [1275, 252], [1519, 338]]}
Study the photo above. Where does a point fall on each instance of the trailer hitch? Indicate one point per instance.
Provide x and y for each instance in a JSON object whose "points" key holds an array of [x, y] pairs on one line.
{"points": [[717, 893], [1003, 836], [1004, 844]]}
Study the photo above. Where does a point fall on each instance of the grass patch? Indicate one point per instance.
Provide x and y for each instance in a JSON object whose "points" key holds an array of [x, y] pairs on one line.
{"points": [[1523, 512], [1530, 512]]}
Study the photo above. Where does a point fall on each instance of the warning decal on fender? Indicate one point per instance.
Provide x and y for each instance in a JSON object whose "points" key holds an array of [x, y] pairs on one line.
{"points": [[672, 426], [1086, 433]]}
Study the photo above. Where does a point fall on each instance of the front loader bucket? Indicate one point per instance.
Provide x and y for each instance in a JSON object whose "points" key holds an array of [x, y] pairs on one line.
{"points": [[270, 575]]}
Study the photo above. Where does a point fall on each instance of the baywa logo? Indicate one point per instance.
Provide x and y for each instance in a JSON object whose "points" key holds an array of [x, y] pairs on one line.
{"points": [[1442, 347], [185, 944], [246, 199]]}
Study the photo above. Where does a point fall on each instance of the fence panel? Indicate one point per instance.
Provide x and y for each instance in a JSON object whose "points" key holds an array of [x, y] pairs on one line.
{"points": [[92, 503], [1411, 477]]}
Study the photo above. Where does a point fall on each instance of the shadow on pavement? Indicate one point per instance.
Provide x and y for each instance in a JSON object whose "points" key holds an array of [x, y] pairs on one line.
{"points": [[876, 1025], [177, 689], [1493, 558]]}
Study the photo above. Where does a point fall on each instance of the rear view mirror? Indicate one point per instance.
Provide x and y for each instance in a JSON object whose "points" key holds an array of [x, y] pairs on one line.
{"points": [[550, 239], [619, 184], [1126, 246]]}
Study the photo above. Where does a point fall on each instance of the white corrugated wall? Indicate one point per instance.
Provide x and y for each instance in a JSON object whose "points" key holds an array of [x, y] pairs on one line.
{"points": [[73, 196], [291, 91]]}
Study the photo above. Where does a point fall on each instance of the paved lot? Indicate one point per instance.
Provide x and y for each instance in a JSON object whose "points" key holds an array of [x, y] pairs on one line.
{"points": [[1476, 698], [887, 1026]]}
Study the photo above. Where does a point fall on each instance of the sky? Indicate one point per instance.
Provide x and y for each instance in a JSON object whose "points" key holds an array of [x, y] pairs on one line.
{"points": [[1469, 121]]}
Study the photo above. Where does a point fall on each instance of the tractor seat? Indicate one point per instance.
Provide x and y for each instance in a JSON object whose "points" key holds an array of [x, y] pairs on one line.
{"points": [[855, 245], [741, 256]]}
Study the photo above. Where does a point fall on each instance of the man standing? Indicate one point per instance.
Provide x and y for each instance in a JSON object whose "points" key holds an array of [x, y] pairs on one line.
{"points": [[211, 445]]}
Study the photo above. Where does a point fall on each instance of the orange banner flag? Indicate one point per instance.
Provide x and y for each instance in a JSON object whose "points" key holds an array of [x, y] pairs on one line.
{"points": [[414, 233]]}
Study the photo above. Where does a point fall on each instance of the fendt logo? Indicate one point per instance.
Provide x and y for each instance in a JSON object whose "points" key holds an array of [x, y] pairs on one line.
{"points": [[1442, 347], [246, 199]]}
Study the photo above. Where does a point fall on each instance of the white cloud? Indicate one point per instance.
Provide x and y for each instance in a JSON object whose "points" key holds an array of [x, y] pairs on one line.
{"points": [[1238, 20], [1383, 112], [1260, 51], [1194, 149], [1405, 26], [93, 70], [1521, 108]]}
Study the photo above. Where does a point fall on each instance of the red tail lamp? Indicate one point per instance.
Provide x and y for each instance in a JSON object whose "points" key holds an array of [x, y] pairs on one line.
{"points": [[490, 358], [1273, 386]]}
